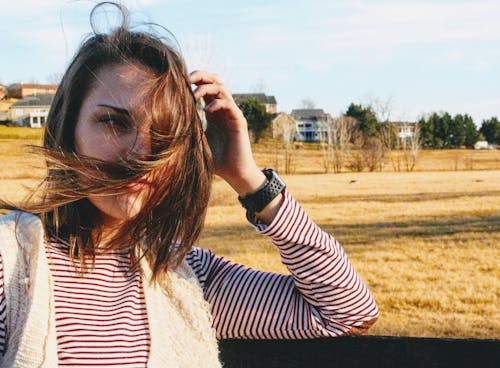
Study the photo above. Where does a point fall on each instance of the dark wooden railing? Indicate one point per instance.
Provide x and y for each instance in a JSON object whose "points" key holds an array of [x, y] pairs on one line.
{"points": [[364, 351]]}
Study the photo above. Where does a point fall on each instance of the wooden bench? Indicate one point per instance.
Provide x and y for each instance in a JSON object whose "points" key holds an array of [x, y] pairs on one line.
{"points": [[361, 351]]}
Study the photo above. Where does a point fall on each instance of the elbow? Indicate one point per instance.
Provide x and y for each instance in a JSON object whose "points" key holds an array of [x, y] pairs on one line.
{"points": [[363, 328], [368, 320]]}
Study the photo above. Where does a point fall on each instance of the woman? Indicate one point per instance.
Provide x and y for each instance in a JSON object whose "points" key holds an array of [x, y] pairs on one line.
{"points": [[103, 271]]}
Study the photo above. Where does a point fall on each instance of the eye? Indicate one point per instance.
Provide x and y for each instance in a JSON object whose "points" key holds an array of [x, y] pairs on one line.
{"points": [[116, 123]]}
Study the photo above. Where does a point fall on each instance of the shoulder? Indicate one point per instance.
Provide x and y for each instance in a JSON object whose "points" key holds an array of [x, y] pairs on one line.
{"points": [[23, 227], [197, 256], [14, 218], [201, 262]]}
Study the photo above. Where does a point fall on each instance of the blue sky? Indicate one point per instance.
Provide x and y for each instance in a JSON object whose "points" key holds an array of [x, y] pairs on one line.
{"points": [[405, 57]]}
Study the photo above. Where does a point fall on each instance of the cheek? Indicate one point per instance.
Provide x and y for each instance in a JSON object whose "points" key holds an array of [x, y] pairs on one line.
{"points": [[90, 141], [85, 142]]}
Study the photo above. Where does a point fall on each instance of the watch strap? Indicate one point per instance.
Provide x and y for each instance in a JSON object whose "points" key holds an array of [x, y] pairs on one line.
{"points": [[257, 201]]}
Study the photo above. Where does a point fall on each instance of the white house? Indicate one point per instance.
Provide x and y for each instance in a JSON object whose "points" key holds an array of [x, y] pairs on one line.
{"points": [[31, 111], [405, 129], [312, 124]]}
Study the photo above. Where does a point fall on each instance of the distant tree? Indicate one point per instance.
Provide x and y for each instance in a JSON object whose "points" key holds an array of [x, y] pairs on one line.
{"points": [[490, 129], [307, 103], [382, 108], [426, 132], [366, 118], [470, 130], [435, 130], [442, 130], [335, 142], [257, 117], [388, 134], [456, 131]]}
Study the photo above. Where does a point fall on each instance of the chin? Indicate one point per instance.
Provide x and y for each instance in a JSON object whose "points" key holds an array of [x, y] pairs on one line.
{"points": [[119, 208]]}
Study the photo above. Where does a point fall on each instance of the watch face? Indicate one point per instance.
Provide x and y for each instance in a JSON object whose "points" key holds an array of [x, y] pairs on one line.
{"points": [[257, 201]]}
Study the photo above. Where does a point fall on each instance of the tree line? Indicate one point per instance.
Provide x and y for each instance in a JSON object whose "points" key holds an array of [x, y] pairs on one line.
{"points": [[360, 140], [436, 130]]}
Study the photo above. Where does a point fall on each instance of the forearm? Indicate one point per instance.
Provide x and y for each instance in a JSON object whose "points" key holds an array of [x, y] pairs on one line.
{"points": [[323, 297], [321, 270]]}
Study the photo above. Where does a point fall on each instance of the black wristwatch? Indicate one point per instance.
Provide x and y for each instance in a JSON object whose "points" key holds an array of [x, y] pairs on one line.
{"points": [[255, 202]]}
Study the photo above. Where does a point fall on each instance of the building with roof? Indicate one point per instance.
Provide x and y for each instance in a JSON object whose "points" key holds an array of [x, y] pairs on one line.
{"points": [[31, 111], [405, 130], [21, 90], [284, 127], [312, 124], [269, 102]]}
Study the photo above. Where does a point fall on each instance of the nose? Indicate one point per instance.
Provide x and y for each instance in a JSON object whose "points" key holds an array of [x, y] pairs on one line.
{"points": [[135, 143], [141, 144]]}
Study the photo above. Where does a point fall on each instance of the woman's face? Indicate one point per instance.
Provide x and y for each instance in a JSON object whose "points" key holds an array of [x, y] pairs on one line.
{"points": [[113, 124]]}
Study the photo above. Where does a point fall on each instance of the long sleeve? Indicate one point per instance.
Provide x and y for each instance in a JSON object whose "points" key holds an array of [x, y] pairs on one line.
{"points": [[322, 297]]}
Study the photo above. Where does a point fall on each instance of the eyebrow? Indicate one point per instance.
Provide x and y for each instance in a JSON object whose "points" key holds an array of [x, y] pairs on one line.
{"points": [[118, 109]]}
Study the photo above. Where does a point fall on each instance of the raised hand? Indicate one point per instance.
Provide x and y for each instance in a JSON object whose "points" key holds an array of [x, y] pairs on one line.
{"points": [[237, 166]]}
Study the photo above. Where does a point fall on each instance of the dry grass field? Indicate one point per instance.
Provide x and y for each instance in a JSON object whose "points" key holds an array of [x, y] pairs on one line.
{"points": [[427, 243], [308, 159]]}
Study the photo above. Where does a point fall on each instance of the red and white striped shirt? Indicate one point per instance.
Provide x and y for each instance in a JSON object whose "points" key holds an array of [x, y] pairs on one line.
{"points": [[101, 317]]}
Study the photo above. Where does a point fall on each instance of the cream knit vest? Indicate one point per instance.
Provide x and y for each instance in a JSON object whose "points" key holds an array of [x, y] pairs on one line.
{"points": [[179, 320]]}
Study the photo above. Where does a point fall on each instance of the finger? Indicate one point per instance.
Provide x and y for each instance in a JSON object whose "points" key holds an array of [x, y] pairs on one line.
{"points": [[211, 90], [201, 77], [217, 105]]}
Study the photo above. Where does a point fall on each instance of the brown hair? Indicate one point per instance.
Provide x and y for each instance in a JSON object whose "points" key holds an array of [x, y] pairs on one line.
{"points": [[173, 214]]}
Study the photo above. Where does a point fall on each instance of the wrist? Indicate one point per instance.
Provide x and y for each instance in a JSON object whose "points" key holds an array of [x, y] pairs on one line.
{"points": [[250, 181], [258, 200]]}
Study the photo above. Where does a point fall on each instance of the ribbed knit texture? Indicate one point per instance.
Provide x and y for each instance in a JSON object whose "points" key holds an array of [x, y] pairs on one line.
{"points": [[179, 320], [30, 315]]}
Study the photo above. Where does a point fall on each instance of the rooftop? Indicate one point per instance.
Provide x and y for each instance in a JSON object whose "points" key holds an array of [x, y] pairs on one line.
{"points": [[309, 114], [38, 100], [33, 85], [260, 97]]}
